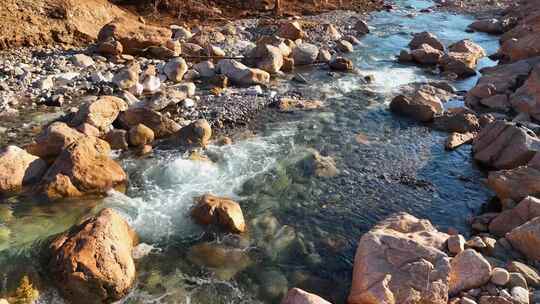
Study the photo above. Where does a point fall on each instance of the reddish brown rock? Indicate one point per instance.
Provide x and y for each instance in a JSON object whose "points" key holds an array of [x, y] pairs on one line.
{"points": [[400, 260], [100, 113], [298, 296], [426, 38], [515, 184], [421, 106], [461, 64], [161, 125], [87, 165], [290, 104], [53, 140], [469, 270], [527, 98], [140, 135], [91, 263], [526, 239], [425, 54], [291, 30], [19, 168], [526, 210], [197, 133], [467, 46], [341, 64], [456, 140], [220, 211], [117, 139], [461, 121]]}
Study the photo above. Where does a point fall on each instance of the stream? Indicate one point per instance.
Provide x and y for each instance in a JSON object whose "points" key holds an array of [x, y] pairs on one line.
{"points": [[302, 230]]}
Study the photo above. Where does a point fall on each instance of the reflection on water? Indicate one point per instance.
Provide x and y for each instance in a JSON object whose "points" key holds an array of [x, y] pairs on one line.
{"points": [[302, 230]]}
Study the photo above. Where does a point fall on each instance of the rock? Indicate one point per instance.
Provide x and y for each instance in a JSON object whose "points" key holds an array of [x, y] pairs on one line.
{"points": [[222, 260], [456, 244], [457, 121], [19, 168], [91, 262], [515, 184], [110, 47], [305, 53], [290, 104], [192, 50], [426, 38], [467, 46], [324, 56], [143, 150], [84, 166], [88, 129], [456, 140], [127, 77], [461, 64], [181, 33], [82, 60], [100, 113], [494, 300], [496, 102], [526, 99], [175, 69], [520, 295], [140, 135], [299, 296], [291, 30], [341, 64], [206, 69], [134, 36], [517, 279], [476, 242], [352, 40], [45, 83], [500, 276], [288, 64], [466, 300], [197, 133], [161, 125], [268, 58], [53, 140], [331, 32], [528, 46], [274, 284], [483, 90], [505, 145], [320, 166], [421, 106], [405, 56], [241, 74], [400, 260], [526, 210], [490, 26], [220, 211], [117, 139], [344, 46], [361, 27], [151, 84], [277, 42], [425, 54], [526, 239], [469, 269], [530, 274]]}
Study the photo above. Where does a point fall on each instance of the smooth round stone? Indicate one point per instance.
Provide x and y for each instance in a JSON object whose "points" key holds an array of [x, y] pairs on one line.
{"points": [[520, 295], [500, 276]]}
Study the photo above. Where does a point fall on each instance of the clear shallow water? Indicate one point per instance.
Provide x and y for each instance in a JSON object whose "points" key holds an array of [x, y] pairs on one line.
{"points": [[303, 230]]}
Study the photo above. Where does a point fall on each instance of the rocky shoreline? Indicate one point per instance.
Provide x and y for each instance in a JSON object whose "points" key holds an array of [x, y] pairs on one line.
{"points": [[141, 87]]}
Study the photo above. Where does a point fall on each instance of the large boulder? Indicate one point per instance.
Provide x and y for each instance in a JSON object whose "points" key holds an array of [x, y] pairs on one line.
{"points": [[267, 57], [299, 296], [240, 74], [196, 134], [221, 211], [461, 64], [469, 269], [305, 53], [524, 47], [526, 239], [426, 54], [19, 168], [515, 184], [526, 210], [100, 113], [135, 37], [527, 98], [175, 69], [161, 125], [400, 260], [469, 47], [490, 26], [505, 145], [457, 120], [83, 167], [53, 140], [426, 38], [421, 106], [91, 263]]}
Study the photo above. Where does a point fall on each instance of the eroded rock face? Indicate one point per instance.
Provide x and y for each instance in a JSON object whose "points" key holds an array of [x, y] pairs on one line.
{"points": [[299, 296], [469, 269], [100, 113], [515, 184], [134, 36], [53, 140], [400, 260], [505, 145], [19, 168], [527, 98], [92, 263], [526, 239], [220, 211], [526, 210], [83, 167]]}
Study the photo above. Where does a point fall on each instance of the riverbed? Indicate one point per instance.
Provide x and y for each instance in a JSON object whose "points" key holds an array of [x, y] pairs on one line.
{"points": [[302, 229]]}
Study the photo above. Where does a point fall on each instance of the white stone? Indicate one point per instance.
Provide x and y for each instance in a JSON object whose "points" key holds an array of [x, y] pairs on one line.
{"points": [[151, 84], [65, 78], [520, 295], [45, 83], [82, 60], [136, 89]]}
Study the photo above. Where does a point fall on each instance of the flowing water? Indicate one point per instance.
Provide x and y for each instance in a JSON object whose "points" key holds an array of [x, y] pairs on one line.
{"points": [[303, 230]]}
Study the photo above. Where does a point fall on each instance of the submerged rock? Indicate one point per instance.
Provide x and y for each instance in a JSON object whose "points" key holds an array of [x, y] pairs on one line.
{"points": [[222, 260], [401, 260], [320, 166], [220, 211], [91, 263], [290, 104], [19, 168]]}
